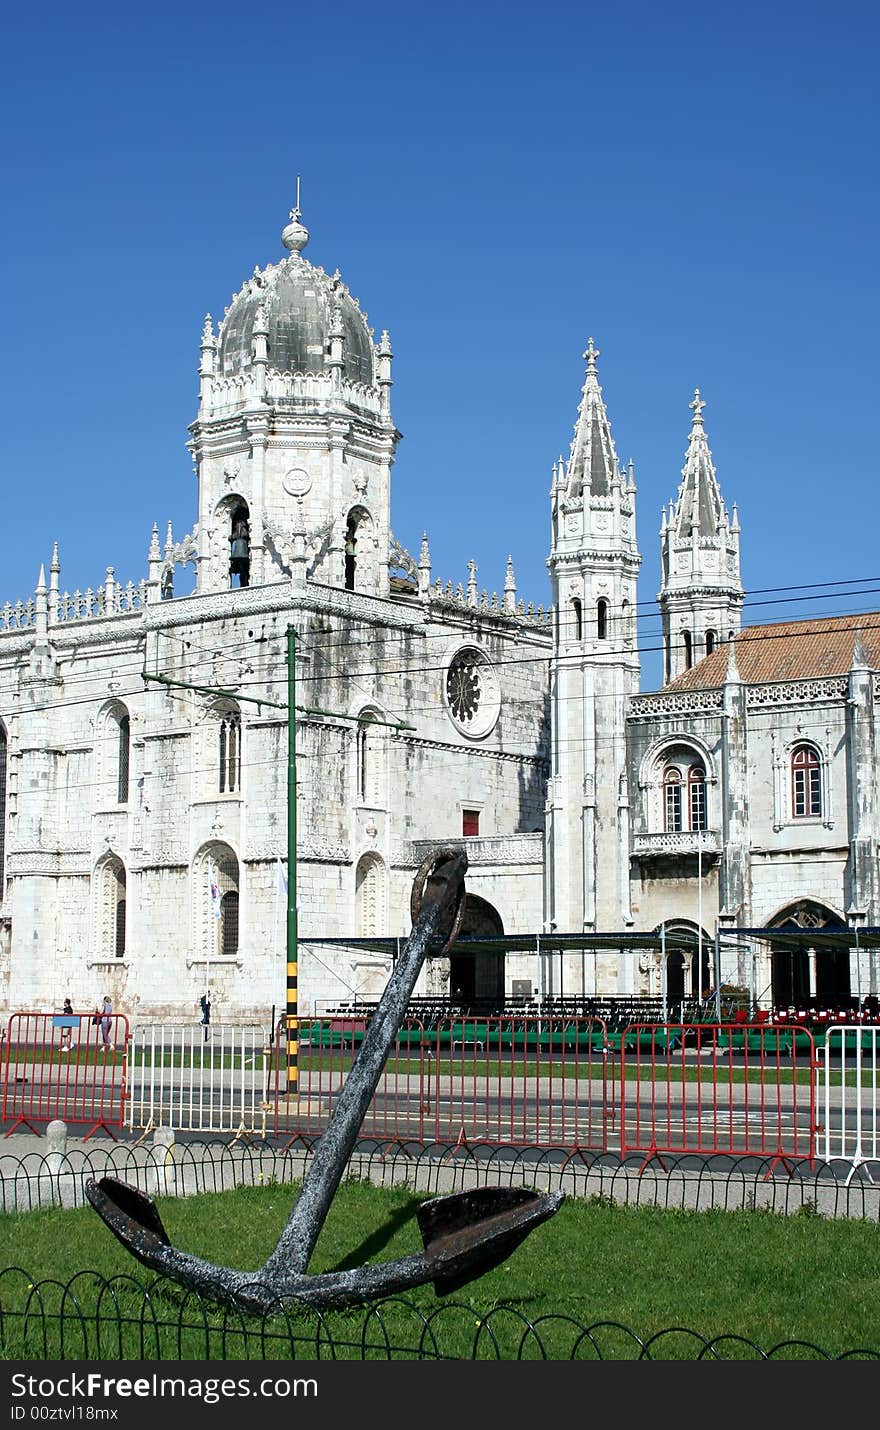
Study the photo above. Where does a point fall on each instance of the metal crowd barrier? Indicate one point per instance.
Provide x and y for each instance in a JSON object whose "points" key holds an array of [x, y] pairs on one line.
{"points": [[194, 1078], [848, 1093], [724, 1088], [68, 1066], [517, 1080]]}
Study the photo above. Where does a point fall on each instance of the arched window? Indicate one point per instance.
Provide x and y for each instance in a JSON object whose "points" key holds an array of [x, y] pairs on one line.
{"points": [[3, 757], [578, 619], [371, 760], [239, 545], [806, 782], [697, 796], [360, 552], [370, 895], [122, 760], [121, 905], [229, 922], [601, 619], [215, 890], [229, 750], [350, 551], [687, 638], [110, 906], [672, 799], [711, 642]]}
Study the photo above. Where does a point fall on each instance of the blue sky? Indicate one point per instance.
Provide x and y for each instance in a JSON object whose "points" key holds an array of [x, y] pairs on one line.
{"points": [[695, 187]]}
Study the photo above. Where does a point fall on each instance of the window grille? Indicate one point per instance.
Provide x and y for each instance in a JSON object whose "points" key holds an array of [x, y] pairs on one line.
{"points": [[122, 763], [229, 923], [119, 941]]}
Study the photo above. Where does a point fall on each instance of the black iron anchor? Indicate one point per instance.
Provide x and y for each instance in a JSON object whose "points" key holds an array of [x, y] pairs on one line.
{"points": [[464, 1234]]}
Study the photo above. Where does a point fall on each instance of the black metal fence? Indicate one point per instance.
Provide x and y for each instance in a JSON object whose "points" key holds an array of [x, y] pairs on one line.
{"points": [[93, 1318], [690, 1181]]}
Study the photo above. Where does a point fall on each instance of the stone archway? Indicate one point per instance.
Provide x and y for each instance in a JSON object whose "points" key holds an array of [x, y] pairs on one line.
{"points": [[477, 975], [801, 974]]}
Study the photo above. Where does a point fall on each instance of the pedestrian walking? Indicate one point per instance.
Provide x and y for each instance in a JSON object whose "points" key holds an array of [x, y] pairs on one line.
{"points": [[106, 1014], [66, 1032]]}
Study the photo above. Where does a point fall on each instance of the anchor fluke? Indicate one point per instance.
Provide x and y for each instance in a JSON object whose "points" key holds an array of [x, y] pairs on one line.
{"points": [[468, 1233], [131, 1215]]}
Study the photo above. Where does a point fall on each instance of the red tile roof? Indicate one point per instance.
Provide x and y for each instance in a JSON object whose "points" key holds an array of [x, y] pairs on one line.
{"points": [[789, 650]]}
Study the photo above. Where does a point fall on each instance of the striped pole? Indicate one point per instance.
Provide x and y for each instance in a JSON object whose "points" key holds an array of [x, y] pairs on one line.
{"points": [[292, 1005]]}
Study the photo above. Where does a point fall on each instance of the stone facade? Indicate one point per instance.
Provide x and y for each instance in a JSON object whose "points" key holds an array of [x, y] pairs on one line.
{"points": [[144, 733]]}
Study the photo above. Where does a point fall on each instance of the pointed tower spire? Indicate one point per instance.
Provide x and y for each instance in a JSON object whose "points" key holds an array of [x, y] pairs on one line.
{"points": [[592, 462], [701, 594]]}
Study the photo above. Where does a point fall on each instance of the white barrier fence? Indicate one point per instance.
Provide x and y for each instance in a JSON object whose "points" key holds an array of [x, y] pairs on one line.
{"points": [[847, 1096], [197, 1079]]}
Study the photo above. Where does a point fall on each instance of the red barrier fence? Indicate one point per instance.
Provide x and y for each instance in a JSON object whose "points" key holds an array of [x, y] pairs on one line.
{"points": [[716, 1088], [70, 1066], [523, 1081]]}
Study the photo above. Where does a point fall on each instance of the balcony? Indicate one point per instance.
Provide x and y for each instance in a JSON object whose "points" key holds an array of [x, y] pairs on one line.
{"points": [[684, 843]]}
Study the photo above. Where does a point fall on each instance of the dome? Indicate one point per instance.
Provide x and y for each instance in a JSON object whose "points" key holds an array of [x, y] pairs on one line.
{"points": [[299, 302]]}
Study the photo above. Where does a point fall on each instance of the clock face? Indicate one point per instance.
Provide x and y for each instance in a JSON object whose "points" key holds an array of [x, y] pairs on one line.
{"points": [[296, 482]]}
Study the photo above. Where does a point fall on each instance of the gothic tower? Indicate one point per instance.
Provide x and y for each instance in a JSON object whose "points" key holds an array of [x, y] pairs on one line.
{"points": [[293, 442], [594, 562], [701, 593]]}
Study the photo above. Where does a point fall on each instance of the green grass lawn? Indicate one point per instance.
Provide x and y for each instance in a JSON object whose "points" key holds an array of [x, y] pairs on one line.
{"points": [[757, 1275]]}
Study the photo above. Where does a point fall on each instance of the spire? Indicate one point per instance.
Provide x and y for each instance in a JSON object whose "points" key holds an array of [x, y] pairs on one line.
{"points": [[54, 574], [295, 235], [41, 606], [509, 601], [472, 583], [699, 510], [592, 462], [424, 567]]}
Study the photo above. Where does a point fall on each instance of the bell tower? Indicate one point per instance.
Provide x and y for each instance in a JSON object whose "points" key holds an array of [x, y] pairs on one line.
{"points": [[701, 593], [294, 441], [593, 563]]}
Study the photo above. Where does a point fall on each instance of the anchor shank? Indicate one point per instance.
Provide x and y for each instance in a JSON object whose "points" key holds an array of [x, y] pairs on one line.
{"points": [[297, 1241]]}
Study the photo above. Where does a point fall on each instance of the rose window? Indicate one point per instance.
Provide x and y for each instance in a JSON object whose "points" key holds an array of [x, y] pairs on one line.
{"points": [[473, 697]]}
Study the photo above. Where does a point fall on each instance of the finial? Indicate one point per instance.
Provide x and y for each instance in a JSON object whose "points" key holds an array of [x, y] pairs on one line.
{"points": [[208, 332], [860, 655], [261, 323], [697, 408], [424, 552], [591, 355], [385, 344], [154, 553], [472, 583], [55, 564], [295, 235]]}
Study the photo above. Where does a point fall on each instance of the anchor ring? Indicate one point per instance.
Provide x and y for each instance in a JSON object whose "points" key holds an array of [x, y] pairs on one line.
{"points": [[450, 925]]}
